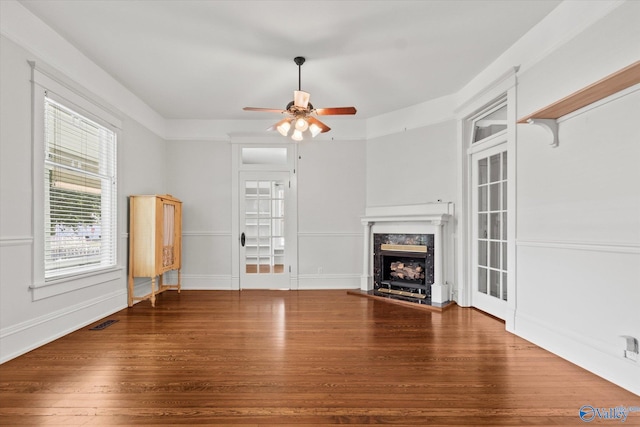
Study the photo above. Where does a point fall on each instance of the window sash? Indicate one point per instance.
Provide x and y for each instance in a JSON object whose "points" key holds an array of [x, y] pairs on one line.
{"points": [[79, 193], [490, 122]]}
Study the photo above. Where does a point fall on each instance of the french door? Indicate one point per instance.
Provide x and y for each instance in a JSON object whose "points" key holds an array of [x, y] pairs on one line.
{"points": [[489, 252], [265, 212]]}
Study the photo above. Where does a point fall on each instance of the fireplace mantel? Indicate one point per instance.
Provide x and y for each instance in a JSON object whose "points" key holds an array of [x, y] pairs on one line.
{"points": [[436, 219], [436, 213], [428, 218]]}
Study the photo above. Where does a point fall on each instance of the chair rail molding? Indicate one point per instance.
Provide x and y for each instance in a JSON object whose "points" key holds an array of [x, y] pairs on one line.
{"points": [[16, 241]]}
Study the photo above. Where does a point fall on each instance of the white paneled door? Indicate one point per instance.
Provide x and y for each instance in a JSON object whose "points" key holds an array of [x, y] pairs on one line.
{"points": [[265, 209], [489, 231]]}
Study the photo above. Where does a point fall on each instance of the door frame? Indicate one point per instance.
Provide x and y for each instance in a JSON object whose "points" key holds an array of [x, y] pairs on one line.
{"points": [[503, 87], [238, 142]]}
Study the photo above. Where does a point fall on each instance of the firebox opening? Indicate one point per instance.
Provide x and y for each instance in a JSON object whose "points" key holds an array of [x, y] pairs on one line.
{"points": [[403, 265], [402, 269], [404, 273]]}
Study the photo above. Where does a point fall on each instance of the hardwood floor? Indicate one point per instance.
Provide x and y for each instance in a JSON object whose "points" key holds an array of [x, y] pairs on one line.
{"points": [[294, 358]]}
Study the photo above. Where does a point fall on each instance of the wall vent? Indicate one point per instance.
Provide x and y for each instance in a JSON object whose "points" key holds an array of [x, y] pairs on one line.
{"points": [[103, 325]]}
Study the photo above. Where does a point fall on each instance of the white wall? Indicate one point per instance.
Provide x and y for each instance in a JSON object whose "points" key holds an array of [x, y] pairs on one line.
{"points": [[25, 323], [141, 160], [578, 207], [578, 247], [199, 174], [413, 166], [417, 166], [331, 200]]}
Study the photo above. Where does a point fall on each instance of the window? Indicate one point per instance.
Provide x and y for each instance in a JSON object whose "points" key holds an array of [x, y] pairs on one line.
{"points": [[79, 192], [490, 123], [264, 156], [75, 225]]}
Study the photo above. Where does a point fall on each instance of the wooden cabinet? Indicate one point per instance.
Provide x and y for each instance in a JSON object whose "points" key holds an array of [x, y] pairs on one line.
{"points": [[155, 242]]}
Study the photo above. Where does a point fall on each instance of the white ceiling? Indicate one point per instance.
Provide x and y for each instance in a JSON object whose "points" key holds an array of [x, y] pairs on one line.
{"points": [[207, 59]]}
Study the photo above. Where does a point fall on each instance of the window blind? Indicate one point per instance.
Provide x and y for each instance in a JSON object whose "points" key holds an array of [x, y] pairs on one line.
{"points": [[79, 193]]}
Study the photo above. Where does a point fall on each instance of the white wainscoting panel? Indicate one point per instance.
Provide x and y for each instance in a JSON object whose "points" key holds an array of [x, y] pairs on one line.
{"points": [[331, 260], [577, 300], [213, 282], [28, 335], [328, 281], [206, 253]]}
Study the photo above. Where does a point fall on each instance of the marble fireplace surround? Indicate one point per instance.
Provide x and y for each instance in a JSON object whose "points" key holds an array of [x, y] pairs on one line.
{"points": [[428, 218]]}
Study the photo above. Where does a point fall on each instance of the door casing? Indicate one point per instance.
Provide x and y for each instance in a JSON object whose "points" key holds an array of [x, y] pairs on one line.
{"points": [[237, 144]]}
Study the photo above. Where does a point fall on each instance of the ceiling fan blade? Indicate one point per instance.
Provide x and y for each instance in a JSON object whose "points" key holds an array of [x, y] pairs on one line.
{"points": [[301, 98], [313, 121], [335, 111], [266, 110]]}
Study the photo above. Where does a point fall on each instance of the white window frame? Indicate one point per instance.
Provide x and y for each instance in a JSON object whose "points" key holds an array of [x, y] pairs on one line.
{"points": [[481, 117], [45, 83]]}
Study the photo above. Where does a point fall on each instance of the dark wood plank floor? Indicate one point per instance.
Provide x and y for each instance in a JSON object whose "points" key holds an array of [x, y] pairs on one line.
{"points": [[295, 358]]}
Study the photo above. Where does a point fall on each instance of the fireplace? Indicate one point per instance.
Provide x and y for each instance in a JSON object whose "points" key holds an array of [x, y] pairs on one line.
{"points": [[406, 252], [403, 264]]}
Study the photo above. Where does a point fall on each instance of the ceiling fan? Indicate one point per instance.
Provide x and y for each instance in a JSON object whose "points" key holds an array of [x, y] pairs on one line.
{"points": [[300, 113]]}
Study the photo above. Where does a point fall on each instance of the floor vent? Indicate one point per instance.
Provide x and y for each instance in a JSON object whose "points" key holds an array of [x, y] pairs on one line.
{"points": [[103, 325]]}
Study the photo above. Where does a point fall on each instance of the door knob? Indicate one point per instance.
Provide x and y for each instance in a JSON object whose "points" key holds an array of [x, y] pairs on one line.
{"points": [[242, 239]]}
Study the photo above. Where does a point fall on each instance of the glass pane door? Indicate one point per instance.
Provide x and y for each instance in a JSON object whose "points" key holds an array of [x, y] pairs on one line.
{"points": [[263, 221], [489, 266]]}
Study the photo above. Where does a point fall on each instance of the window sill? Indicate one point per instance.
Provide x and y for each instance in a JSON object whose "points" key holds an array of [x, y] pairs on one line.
{"points": [[66, 284]]}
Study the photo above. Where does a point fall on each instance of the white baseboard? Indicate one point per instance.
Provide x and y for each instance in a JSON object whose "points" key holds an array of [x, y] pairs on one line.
{"points": [[223, 282], [581, 351], [19, 339], [207, 282], [328, 281]]}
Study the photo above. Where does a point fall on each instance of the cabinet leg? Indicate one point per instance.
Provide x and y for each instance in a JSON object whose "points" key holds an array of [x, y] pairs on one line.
{"points": [[153, 292], [130, 296]]}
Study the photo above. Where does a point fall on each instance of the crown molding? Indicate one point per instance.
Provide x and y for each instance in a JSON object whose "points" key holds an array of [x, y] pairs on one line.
{"points": [[23, 28], [561, 25]]}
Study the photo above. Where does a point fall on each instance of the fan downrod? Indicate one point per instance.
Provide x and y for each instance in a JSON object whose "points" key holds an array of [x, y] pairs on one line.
{"points": [[299, 60]]}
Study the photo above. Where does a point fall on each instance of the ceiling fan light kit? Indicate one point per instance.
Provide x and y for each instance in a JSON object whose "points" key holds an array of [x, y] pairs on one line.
{"points": [[283, 126], [315, 130], [300, 121]]}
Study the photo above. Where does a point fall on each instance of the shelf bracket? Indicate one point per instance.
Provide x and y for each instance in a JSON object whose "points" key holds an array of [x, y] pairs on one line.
{"points": [[550, 125]]}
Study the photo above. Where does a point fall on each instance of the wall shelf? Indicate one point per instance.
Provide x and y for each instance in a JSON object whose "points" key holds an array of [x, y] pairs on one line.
{"points": [[613, 83]]}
